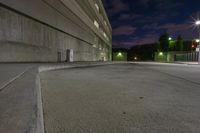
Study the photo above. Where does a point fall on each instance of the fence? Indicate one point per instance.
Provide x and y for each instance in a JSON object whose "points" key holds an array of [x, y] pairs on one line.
{"points": [[192, 56]]}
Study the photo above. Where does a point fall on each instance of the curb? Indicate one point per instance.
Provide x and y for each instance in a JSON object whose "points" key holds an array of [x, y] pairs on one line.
{"points": [[167, 63], [58, 67], [40, 117]]}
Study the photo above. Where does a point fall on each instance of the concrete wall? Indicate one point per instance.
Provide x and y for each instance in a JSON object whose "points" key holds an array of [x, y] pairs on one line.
{"points": [[36, 30]]}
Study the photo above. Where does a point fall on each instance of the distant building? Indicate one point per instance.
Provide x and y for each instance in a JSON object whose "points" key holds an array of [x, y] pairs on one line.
{"points": [[54, 30], [119, 54]]}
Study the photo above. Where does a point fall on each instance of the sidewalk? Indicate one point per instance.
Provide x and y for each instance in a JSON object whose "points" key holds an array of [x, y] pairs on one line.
{"points": [[190, 64], [18, 98], [10, 72], [20, 95]]}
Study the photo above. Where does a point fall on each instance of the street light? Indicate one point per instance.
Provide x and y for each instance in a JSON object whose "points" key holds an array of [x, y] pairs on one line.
{"points": [[197, 23]]}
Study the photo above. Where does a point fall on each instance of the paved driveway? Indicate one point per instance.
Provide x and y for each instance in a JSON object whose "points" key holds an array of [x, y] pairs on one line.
{"points": [[122, 98]]}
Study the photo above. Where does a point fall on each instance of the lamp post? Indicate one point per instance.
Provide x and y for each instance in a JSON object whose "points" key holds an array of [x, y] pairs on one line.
{"points": [[197, 23]]}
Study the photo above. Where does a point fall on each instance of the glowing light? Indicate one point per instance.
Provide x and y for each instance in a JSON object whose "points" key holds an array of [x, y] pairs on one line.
{"points": [[119, 54], [160, 53], [197, 40], [193, 46], [170, 38], [197, 22], [135, 58]]}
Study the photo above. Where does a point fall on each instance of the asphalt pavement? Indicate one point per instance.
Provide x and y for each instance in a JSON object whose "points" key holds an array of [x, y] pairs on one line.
{"points": [[122, 98]]}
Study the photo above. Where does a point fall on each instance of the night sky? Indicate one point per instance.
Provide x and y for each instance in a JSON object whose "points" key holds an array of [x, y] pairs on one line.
{"points": [[137, 22]]}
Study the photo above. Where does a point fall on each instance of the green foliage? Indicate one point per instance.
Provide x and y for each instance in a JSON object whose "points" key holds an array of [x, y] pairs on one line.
{"points": [[164, 42], [119, 54], [170, 45], [179, 44], [158, 47], [142, 52]]}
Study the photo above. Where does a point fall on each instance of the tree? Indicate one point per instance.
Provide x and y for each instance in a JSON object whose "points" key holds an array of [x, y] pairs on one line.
{"points": [[157, 47], [164, 41], [143, 52], [179, 43]]}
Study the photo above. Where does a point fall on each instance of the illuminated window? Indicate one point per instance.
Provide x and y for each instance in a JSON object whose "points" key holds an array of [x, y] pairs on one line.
{"points": [[97, 7], [96, 24], [105, 35], [105, 23]]}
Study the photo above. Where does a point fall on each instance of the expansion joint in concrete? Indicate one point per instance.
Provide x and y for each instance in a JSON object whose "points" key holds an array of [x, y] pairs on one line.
{"points": [[13, 79]]}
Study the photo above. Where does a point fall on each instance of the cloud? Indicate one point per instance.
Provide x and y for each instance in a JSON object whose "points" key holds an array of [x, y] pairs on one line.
{"points": [[172, 27], [184, 29], [168, 27], [154, 18], [152, 26], [116, 6], [124, 16], [147, 39], [124, 30], [144, 3], [128, 16], [166, 5]]}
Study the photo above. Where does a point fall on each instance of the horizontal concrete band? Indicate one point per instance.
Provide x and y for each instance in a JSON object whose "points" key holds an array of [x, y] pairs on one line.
{"points": [[43, 23]]}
